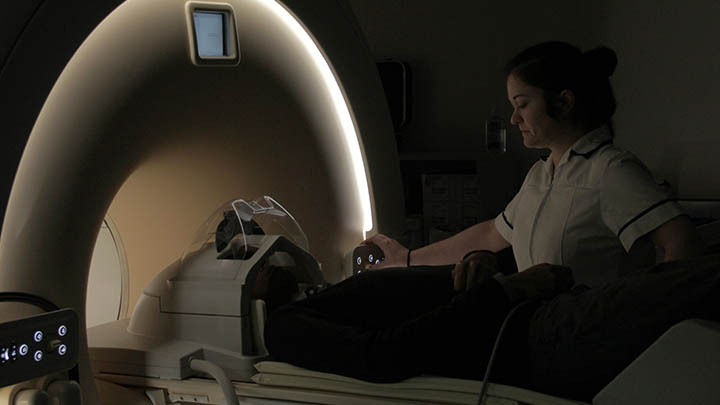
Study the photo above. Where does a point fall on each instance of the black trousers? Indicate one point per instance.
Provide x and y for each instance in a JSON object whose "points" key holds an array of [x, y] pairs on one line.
{"points": [[388, 325]]}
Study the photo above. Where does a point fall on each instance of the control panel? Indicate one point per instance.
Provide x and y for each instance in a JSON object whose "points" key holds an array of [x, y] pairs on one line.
{"points": [[39, 345], [365, 255]]}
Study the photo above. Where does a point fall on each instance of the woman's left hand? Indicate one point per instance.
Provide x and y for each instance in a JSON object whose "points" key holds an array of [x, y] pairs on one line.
{"points": [[474, 269]]}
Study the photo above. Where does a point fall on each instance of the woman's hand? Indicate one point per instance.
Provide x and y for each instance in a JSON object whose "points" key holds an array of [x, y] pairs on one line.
{"points": [[474, 269], [395, 253]]}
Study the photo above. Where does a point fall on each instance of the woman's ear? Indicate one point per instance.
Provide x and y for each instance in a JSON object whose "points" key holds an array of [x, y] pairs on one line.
{"points": [[565, 101]]}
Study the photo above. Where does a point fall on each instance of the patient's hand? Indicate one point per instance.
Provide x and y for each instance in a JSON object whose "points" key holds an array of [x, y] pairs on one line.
{"points": [[541, 281], [474, 269]]}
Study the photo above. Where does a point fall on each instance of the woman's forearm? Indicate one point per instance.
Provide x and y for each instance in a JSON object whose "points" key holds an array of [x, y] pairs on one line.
{"points": [[451, 250]]}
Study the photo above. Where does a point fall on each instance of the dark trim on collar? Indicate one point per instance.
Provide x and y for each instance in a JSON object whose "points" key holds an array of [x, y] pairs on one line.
{"points": [[544, 158], [587, 155], [640, 215], [506, 221]]}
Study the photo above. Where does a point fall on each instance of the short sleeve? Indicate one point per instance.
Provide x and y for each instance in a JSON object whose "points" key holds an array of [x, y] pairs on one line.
{"points": [[631, 202], [504, 221]]}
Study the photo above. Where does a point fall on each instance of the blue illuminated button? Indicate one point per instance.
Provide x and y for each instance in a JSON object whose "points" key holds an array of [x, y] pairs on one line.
{"points": [[62, 349], [359, 260], [38, 355], [38, 336], [370, 258], [62, 330], [5, 355], [23, 350]]}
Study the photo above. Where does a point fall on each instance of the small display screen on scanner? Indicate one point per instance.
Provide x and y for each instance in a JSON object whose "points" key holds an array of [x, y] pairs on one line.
{"points": [[210, 33]]}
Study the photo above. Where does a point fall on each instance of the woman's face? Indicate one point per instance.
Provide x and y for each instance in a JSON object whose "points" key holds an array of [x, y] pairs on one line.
{"points": [[530, 114]]}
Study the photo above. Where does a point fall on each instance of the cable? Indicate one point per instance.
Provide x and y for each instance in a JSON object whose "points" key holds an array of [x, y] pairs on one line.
{"points": [[219, 375], [488, 369]]}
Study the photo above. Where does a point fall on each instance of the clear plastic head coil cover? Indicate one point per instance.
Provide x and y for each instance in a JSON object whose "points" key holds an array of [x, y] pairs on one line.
{"points": [[238, 224]]}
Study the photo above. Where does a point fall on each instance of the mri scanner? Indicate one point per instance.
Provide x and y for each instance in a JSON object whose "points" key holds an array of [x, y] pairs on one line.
{"points": [[168, 110]]}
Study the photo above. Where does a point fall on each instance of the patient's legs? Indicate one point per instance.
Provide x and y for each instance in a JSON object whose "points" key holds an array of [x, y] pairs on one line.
{"points": [[377, 299], [390, 325], [581, 342]]}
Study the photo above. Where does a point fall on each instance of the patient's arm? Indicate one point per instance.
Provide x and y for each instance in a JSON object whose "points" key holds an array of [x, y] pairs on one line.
{"points": [[474, 269], [678, 239]]}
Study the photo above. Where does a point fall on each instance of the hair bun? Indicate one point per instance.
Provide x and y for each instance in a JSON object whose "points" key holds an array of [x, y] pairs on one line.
{"points": [[601, 61]]}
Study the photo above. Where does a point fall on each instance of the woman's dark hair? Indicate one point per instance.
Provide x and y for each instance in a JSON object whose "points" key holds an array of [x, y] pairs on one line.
{"points": [[557, 66]]}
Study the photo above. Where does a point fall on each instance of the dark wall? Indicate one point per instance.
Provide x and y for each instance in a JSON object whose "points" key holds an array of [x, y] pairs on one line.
{"points": [[37, 39], [666, 80]]}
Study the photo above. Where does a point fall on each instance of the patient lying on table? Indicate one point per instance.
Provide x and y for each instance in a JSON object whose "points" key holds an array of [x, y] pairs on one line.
{"points": [[389, 325]]}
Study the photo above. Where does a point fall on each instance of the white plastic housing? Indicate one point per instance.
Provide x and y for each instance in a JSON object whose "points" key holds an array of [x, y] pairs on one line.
{"points": [[134, 128]]}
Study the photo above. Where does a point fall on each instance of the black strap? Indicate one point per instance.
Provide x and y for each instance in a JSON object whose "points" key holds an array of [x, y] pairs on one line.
{"points": [[31, 299], [472, 252]]}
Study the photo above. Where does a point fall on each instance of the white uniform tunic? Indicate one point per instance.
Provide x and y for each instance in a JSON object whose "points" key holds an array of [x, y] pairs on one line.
{"points": [[587, 212]]}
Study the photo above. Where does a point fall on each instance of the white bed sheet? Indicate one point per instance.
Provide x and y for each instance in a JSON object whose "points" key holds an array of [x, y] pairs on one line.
{"points": [[423, 389]]}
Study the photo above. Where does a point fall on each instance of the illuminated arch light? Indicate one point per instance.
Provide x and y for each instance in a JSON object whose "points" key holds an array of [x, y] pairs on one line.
{"points": [[341, 109]]}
